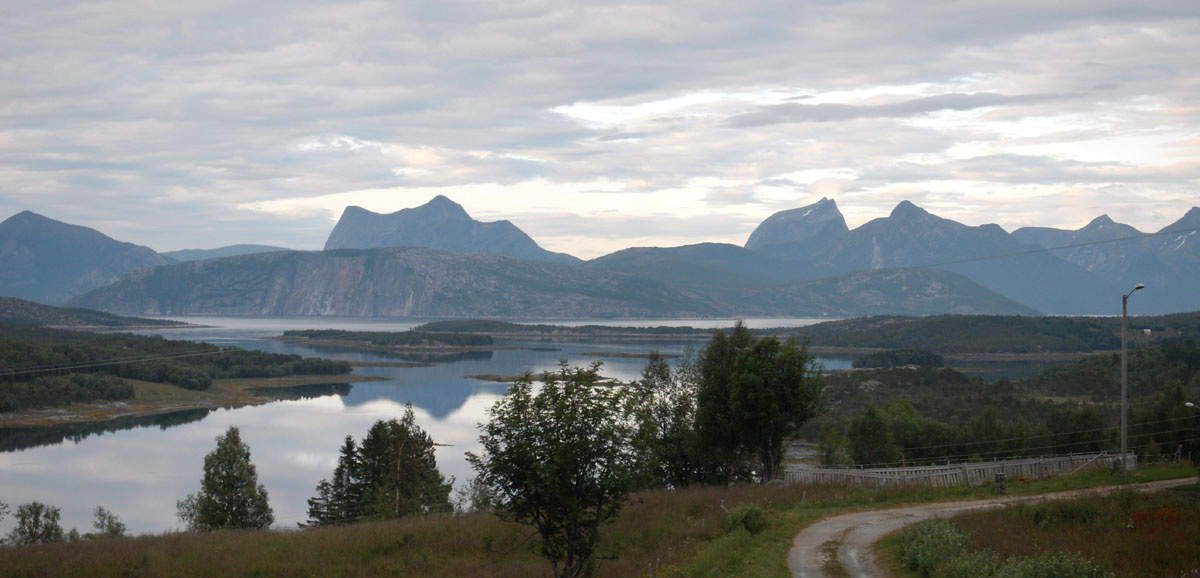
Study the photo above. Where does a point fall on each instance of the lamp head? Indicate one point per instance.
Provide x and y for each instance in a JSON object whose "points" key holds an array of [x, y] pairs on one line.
{"points": [[1189, 404], [1138, 286]]}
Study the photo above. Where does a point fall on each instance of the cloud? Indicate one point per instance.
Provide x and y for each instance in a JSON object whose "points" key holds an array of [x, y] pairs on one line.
{"points": [[833, 112], [177, 126]]}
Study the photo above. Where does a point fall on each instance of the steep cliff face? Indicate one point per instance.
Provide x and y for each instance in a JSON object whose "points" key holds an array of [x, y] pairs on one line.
{"points": [[438, 224], [800, 234], [397, 282], [49, 261]]}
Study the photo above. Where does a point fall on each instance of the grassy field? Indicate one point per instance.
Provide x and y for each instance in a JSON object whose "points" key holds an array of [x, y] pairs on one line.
{"points": [[661, 533], [1127, 533]]}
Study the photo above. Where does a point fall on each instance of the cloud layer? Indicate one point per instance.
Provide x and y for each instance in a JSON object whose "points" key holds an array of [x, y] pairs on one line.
{"points": [[593, 126]]}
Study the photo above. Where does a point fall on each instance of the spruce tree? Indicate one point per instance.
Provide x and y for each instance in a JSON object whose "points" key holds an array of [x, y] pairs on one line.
{"points": [[230, 495]]}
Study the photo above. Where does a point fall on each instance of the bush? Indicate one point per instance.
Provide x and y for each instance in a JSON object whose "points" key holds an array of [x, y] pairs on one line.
{"points": [[927, 545], [747, 516], [1057, 565], [972, 565]]}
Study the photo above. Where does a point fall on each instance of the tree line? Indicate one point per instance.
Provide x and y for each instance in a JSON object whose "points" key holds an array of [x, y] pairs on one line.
{"points": [[47, 367]]}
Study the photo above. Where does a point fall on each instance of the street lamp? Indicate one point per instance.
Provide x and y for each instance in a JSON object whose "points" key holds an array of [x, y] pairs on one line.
{"points": [[1125, 380]]}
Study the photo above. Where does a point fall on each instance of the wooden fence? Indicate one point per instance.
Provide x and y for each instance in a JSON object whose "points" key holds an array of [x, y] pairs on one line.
{"points": [[964, 474]]}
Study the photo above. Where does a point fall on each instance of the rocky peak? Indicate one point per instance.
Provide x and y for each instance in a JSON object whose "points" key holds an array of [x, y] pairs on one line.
{"points": [[906, 211], [439, 224], [799, 234]]}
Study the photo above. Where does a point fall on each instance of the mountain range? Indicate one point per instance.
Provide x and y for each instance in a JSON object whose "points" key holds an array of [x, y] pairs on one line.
{"points": [[49, 261], [437, 261]]}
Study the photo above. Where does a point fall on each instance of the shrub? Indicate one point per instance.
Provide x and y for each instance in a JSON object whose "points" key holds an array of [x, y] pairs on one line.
{"points": [[1057, 565], [927, 545], [971, 565], [747, 516]]}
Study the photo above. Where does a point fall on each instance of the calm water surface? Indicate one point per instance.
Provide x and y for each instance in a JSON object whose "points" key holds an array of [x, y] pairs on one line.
{"points": [[139, 468]]}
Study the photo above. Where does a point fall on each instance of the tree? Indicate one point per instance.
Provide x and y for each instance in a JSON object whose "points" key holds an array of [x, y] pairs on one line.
{"points": [[37, 523], [398, 469], [230, 495], [871, 440], [715, 424], [562, 460], [107, 525], [666, 414], [776, 388]]}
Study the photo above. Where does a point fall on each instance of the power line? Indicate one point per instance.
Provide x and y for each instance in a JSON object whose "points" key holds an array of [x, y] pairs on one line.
{"points": [[111, 361]]}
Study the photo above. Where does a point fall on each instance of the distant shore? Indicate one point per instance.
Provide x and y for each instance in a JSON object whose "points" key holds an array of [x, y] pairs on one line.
{"points": [[156, 398]]}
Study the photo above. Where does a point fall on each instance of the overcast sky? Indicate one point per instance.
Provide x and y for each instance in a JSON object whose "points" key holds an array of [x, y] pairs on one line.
{"points": [[594, 126]]}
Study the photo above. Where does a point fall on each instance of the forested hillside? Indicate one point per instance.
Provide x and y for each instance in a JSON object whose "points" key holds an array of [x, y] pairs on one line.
{"points": [[45, 367]]}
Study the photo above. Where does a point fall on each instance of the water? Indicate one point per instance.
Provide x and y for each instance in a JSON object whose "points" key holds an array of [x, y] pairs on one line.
{"points": [[139, 467]]}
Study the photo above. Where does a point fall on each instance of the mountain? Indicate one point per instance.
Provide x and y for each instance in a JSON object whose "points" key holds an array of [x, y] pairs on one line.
{"points": [[50, 261], [886, 292], [1167, 262], [438, 224], [989, 256], [229, 251], [800, 234], [1100, 252], [420, 282], [15, 311], [394, 282], [704, 267]]}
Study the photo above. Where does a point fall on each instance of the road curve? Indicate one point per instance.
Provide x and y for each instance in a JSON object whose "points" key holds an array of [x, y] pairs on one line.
{"points": [[848, 540]]}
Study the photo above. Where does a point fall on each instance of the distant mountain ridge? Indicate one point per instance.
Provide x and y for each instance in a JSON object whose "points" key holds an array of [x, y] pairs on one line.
{"points": [[49, 261], [438, 224], [420, 282], [15, 311], [1167, 262], [798, 262], [227, 251]]}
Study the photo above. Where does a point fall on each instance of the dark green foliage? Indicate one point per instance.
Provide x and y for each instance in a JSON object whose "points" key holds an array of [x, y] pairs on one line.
{"points": [[748, 517], [563, 460], [927, 545], [715, 417], [751, 394], [871, 440], [49, 367], [392, 474], [970, 333], [900, 358], [230, 496], [1099, 377], [776, 388], [395, 338], [62, 390], [666, 413], [399, 470], [37, 523]]}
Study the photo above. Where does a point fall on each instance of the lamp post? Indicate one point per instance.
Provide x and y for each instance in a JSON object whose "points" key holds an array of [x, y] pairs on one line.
{"points": [[1125, 380]]}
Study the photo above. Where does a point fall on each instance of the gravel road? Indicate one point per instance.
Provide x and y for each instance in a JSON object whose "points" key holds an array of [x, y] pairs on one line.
{"points": [[848, 540]]}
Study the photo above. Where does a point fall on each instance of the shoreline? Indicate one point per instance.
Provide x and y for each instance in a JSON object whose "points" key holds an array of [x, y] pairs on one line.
{"points": [[157, 398]]}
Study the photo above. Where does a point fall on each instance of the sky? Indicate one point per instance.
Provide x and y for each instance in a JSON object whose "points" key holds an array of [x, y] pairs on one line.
{"points": [[594, 126]]}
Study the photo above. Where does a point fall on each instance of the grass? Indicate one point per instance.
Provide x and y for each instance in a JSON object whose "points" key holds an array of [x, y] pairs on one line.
{"points": [[660, 533], [1128, 533]]}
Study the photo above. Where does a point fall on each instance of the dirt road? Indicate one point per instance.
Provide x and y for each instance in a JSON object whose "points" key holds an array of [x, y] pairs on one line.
{"points": [[848, 540]]}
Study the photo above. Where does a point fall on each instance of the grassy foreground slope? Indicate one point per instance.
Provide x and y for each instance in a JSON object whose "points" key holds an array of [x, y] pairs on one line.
{"points": [[661, 533]]}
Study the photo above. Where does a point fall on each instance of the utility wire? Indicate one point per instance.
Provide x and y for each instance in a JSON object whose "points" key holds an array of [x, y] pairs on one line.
{"points": [[111, 361]]}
